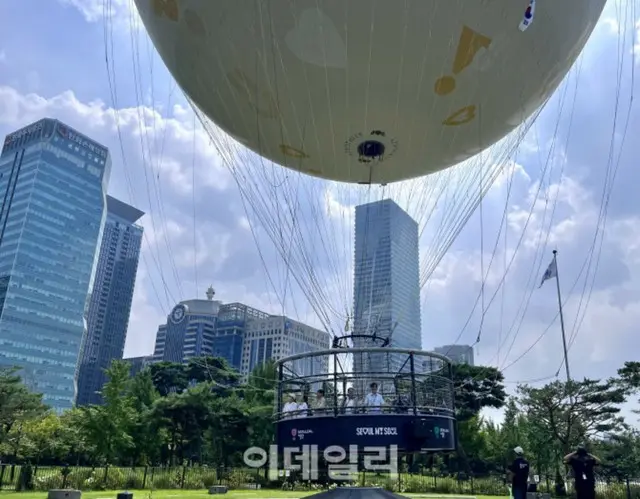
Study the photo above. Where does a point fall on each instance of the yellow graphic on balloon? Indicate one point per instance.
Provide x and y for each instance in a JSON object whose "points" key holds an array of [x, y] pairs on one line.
{"points": [[292, 152], [471, 42], [166, 8], [461, 116]]}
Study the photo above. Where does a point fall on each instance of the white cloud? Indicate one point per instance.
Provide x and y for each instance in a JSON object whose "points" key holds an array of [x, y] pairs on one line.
{"points": [[606, 329], [611, 24], [147, 133], [95, 10]]}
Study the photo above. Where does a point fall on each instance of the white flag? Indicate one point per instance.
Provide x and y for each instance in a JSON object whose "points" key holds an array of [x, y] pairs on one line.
{"points": [[550, 273]]}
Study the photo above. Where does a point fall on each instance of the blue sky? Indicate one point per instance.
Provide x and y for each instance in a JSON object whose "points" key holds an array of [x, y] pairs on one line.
{"points": [[53, 64]]}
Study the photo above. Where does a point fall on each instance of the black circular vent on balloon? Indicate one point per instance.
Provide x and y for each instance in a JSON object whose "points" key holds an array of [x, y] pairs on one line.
{"points": [[371, 149]]}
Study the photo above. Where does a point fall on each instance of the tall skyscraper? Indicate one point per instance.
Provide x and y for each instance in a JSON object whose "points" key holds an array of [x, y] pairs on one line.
{"points": [[460, 354], [110, 301], [53, 183], [386, 281]]}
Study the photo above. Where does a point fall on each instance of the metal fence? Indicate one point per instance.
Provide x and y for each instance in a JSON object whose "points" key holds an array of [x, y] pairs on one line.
{"points": [[41, 478]]}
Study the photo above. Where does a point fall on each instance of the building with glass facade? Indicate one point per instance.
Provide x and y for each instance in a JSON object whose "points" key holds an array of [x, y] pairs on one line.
{"points": [[460, 354], [233, 321], [53, 183], [137, 364], [189, 331], [386, 281], [244, 336], [276, 337], [110, 301]]}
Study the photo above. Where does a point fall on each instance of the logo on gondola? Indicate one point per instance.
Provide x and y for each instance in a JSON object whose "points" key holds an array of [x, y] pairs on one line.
{"points": [[299, 434], [440, 432]]}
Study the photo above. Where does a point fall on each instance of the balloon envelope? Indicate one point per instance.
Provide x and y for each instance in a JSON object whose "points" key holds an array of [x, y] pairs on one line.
{"points": [[368, 91]]}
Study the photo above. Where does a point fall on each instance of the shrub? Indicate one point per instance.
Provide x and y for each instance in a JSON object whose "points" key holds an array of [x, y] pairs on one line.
{"points": [[237, 478]]}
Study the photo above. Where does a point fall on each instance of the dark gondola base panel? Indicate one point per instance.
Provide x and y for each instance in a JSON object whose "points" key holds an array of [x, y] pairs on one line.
{"points": [[409, 433]]}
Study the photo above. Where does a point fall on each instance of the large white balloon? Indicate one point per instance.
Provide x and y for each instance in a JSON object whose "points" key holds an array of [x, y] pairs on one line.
{"points": [[368, 90]]}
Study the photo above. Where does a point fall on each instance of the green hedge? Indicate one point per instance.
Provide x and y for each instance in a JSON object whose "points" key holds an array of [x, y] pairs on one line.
{"points": [[114, 478]]}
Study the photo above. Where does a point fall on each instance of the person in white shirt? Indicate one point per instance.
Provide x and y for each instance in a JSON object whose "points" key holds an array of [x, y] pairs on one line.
{"points": [[374, 400], [290, 406], [303, 408], [319, 404], [349, 402]]}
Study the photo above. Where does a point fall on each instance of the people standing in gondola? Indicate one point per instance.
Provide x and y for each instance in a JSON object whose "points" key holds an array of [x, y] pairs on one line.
{"points": [[374, 401], [401, 402], [290, 406], [303, 407], [349, 402], [320, 405]]}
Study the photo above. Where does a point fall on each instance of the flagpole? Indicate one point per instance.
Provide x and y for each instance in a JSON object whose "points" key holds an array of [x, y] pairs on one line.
{"points": [[564, 336]]}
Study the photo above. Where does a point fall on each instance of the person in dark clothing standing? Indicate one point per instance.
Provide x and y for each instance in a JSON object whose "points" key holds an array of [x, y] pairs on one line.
{"points": [[518, 473], [583, 465]]}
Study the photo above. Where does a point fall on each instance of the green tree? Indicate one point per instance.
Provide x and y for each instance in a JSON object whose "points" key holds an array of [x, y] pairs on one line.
{"points": [[620, 454], [109, 426], [477, 387], [566, 414], [502, 439], [81, 448], [629, 377], [471, 446], [542, 453], [144, 429], [259, 395], [17, 406], [215, 370], [184, 418], [228, 435], [44, 438], [169, 377], [630, 374]]}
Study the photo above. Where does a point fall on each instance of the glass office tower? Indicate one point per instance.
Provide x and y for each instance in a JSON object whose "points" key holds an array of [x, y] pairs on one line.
{"points": [[53, 183], [386, 282], [110, 302]]}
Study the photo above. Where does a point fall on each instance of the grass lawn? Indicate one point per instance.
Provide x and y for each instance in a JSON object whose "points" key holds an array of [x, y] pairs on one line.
{"points": [[197, 494]]}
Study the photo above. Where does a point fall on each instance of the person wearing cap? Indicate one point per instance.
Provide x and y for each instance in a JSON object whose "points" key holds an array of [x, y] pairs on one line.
{"points": [[583, 465], [518, 473]]}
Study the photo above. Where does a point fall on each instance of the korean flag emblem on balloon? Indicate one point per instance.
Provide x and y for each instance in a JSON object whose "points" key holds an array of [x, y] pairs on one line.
{"points": [[528, 15]]}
